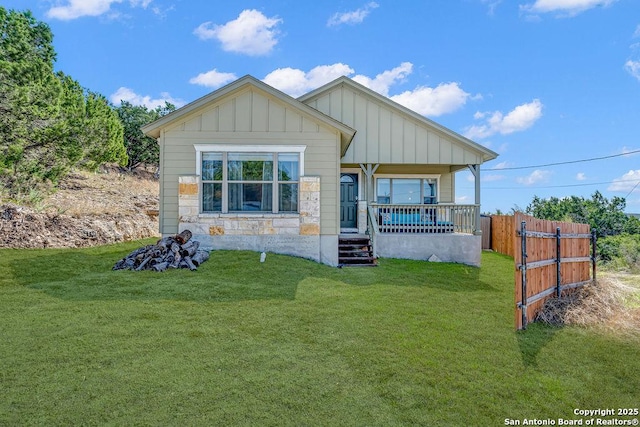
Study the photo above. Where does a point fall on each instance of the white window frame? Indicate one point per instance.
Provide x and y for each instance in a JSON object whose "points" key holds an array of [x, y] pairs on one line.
{"points": [[232, 148], [408, 176]]}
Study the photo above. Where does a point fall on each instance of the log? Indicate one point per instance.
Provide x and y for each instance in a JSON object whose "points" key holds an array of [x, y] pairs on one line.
{"points": [[190, 265], [176, 260], [189, 248], [183, 237], [161, 266], [178, 251], [143, 263], [200, 257]]}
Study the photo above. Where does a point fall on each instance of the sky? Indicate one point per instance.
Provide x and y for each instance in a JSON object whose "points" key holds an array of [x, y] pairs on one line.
{"points": [[552, 86]]}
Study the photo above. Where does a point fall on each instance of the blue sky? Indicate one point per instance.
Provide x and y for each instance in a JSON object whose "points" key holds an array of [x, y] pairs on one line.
{"points": [[537, 81]]}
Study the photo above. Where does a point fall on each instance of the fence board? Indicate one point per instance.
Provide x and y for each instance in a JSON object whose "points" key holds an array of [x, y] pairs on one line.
{"points": [[502, 234], [485, 226], [541, 253]]}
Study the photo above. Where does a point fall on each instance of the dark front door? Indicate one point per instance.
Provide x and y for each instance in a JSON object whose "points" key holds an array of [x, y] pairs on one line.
{"points": [[348, 200]]}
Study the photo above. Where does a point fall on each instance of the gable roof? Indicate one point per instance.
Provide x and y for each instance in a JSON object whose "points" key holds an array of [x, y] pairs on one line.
{"points": [[484, 153], [346, 133]]}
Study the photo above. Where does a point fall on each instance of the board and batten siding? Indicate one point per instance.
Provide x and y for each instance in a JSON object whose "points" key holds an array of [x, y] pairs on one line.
{"points": [[249, 117], [387, 135]]}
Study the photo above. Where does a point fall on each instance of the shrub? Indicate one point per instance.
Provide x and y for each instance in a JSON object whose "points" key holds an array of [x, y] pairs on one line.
{"points": [[621, 252]]}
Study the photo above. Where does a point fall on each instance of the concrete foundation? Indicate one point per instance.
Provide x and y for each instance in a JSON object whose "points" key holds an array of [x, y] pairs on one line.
{"points": [[454, 247]]}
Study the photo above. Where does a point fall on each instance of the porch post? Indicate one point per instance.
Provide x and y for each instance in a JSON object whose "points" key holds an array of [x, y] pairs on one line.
{"points": [[475, 170], [369, 169]]}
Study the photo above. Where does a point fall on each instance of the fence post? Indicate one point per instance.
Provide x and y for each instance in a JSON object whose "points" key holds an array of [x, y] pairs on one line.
{"points": [[523, 305], [594, 240], [558, 261]]}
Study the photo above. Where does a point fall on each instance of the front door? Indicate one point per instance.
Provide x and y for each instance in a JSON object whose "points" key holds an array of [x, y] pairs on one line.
{"points": [[348, 200]]}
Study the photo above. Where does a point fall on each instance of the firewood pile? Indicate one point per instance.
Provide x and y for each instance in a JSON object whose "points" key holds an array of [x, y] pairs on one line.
{"points": [[177, 251]]}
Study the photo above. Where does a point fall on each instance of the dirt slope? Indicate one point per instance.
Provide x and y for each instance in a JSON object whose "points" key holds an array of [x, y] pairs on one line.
{"points": [[89, 209]]}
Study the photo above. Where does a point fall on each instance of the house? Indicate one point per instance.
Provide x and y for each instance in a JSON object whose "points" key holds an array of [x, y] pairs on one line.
{"points": [[249, 167]]}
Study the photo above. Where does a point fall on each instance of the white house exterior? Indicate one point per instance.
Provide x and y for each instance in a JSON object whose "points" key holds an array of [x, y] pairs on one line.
{"points": [[249, 167]]}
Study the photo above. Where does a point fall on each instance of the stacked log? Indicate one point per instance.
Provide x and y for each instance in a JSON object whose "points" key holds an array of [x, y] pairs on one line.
{"points": [[177, 251]]}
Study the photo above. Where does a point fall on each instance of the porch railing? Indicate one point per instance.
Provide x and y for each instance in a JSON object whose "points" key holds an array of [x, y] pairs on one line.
{"points": [[438, 218]]}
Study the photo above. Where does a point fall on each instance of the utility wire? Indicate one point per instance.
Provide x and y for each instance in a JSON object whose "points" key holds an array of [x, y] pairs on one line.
{"points": [[564, 163], [637, 181], [634, 187]]}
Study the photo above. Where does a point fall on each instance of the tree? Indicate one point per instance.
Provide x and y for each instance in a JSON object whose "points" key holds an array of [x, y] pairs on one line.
{"points": [[605, 216], [48, 122], [141, 149]]}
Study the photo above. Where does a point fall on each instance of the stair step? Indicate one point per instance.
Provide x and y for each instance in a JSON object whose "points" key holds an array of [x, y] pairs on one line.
{"points": [[355, 251]]}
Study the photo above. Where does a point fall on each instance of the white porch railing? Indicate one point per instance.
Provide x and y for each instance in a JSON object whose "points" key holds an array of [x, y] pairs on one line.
{"points": [[439, 218]]}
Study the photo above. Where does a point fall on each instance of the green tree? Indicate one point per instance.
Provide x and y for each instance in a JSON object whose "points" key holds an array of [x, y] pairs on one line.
{"points": [[48, 122], [141, 149], [605, 216]]}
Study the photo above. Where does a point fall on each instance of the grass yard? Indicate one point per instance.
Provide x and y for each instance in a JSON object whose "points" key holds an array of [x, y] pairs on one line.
{"points": [[288, 342]]}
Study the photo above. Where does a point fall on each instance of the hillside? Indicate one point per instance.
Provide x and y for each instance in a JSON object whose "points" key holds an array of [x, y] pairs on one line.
{"points": [[89, 209]]}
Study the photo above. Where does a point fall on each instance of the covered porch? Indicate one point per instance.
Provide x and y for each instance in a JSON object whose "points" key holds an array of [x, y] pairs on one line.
{"points": [[420, 204], [404, 215]]}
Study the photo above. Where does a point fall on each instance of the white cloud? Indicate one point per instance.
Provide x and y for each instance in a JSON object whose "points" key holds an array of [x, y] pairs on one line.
{"points": [[383, 81], [252, 33], [502, 165], [633, 68], [563, 7], [141, 3], [353, 17], [74, 9], [213, 79], [492, 177], [296, 82], [77, 8], [534, 177], [520, 118], [444, 98], [126, 94], [627, 182], [627, 150], [492, 4], [581, 176]]}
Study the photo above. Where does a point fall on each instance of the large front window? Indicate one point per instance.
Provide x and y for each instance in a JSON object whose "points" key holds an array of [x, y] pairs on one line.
{"points": [[407, 191], [250, 181]]}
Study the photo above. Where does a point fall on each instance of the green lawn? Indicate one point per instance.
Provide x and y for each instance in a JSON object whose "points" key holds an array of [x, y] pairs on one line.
{"points": [[288, 342]]}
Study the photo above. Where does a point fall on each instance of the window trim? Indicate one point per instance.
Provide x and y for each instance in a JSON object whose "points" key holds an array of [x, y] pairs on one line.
{"points": [[225, 149], [437, 177]]}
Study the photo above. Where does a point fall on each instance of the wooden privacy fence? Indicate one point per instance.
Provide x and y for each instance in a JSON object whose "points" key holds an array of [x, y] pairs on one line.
{"points": [[503, 229], [550, 257]]}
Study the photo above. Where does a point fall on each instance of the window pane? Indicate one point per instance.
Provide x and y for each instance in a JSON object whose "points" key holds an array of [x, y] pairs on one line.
{"points": [[430, 196], [384, 190], [212, 197], [250, 166], [406, 191], [212, 166], [288, 198], [288, 167], [250, 197]]}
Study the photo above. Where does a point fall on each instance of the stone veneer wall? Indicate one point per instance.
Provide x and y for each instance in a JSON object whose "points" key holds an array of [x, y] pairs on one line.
{"points": [[288, 233]]}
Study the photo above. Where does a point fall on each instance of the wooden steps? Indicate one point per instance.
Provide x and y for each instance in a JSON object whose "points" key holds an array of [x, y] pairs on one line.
{"points": [[355, 251]]}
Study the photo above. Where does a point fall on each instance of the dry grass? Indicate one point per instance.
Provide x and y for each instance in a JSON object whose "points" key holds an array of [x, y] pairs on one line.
{"points": [[88, 209], [107, 192], [612, 304]]}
